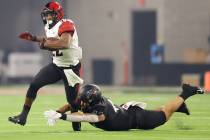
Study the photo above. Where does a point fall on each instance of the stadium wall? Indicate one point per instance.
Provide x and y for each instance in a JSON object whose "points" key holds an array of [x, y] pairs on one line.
{"points": [[105, 27]]}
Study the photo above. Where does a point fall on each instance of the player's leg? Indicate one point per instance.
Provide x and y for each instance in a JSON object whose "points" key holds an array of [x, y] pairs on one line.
{"points": [[149, 119], [182, 109], [72, 94], [64, 108], [175, 104], [47, 75], [172, 106]]}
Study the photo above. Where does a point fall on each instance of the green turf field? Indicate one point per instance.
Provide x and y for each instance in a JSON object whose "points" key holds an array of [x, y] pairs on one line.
{"points": [[180, 127]]}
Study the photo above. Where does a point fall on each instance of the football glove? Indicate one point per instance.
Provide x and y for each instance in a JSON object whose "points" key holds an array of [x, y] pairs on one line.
{"points": [[27, 36], [52, 117]]}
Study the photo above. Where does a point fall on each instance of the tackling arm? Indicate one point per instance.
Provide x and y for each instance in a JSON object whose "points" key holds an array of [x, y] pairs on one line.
{"points": [[83, 117], [52, 116]]}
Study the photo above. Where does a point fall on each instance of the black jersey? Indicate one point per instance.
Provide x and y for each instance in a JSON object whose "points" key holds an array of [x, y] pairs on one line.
{"points": [[116, 118]]}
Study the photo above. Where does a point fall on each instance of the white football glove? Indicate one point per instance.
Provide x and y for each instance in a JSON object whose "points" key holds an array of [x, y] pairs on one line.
{"points": [[52, 116]]}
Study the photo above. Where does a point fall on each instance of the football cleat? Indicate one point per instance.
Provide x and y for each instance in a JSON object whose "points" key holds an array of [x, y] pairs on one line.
{"points": [[76, 126], [18, 120], [200, 91], [191, 90]]}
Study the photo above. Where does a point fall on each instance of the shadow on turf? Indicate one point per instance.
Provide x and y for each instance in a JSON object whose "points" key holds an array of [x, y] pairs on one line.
{"points": [[83, 131], [54, 132], [180, 125], [70, 131], [89, 131]]}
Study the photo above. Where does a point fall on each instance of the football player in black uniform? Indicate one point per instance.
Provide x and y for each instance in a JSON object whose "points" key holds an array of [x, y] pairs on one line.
{"points": [[102, 113]]}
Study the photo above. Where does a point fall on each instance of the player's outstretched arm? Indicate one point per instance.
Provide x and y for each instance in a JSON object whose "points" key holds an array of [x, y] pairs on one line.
{"points": [[83, 117], [30, 37], [52, 116]]}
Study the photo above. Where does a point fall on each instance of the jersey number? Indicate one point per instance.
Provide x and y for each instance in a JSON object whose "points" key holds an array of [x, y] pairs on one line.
{"points": [[57, 53]]}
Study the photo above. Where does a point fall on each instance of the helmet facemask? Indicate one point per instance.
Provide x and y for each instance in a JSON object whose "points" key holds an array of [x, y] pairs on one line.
{"points": [[53, 14]]}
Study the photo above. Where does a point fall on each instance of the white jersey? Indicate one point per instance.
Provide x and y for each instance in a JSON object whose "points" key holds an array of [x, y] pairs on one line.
{"points": [[70, 56]]}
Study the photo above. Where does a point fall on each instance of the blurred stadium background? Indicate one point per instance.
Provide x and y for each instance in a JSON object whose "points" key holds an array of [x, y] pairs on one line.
{"points": [[125, 42], [141, 46]]}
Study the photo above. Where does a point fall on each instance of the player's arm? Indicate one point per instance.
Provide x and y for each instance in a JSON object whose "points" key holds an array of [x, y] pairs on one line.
{"points": [[55, 43], [52, 116], [65, 33], [83, 117], [30, 37], [97, 115]]}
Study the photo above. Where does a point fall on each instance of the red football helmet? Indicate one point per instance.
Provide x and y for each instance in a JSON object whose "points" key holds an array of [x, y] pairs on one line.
{"points": [[55, 10]]}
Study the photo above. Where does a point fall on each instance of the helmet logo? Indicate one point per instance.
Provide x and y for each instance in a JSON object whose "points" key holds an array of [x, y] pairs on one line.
{"points": [[54, 6], [90, 93]]}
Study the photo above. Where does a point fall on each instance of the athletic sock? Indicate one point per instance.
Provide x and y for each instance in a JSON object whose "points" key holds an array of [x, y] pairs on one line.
{"points": [[183, 109], [25, 111], [184, 96]]}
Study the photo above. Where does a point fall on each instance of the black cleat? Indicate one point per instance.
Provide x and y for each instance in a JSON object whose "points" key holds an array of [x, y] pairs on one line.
{"points": [[18, 120], [76, 126], [200, 91], [191, 90], [183, 109]]}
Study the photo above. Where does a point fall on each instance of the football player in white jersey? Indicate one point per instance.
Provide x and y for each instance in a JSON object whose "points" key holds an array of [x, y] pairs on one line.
{"points": [[62, 40]]}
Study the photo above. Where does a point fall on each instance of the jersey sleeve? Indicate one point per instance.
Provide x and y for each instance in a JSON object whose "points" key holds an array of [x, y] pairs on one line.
{"points": [[99, 109], [66, 26]]}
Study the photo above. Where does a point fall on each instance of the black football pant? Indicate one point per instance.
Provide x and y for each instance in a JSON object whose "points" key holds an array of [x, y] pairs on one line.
{"points": [[51, 74], [146, 119]]}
